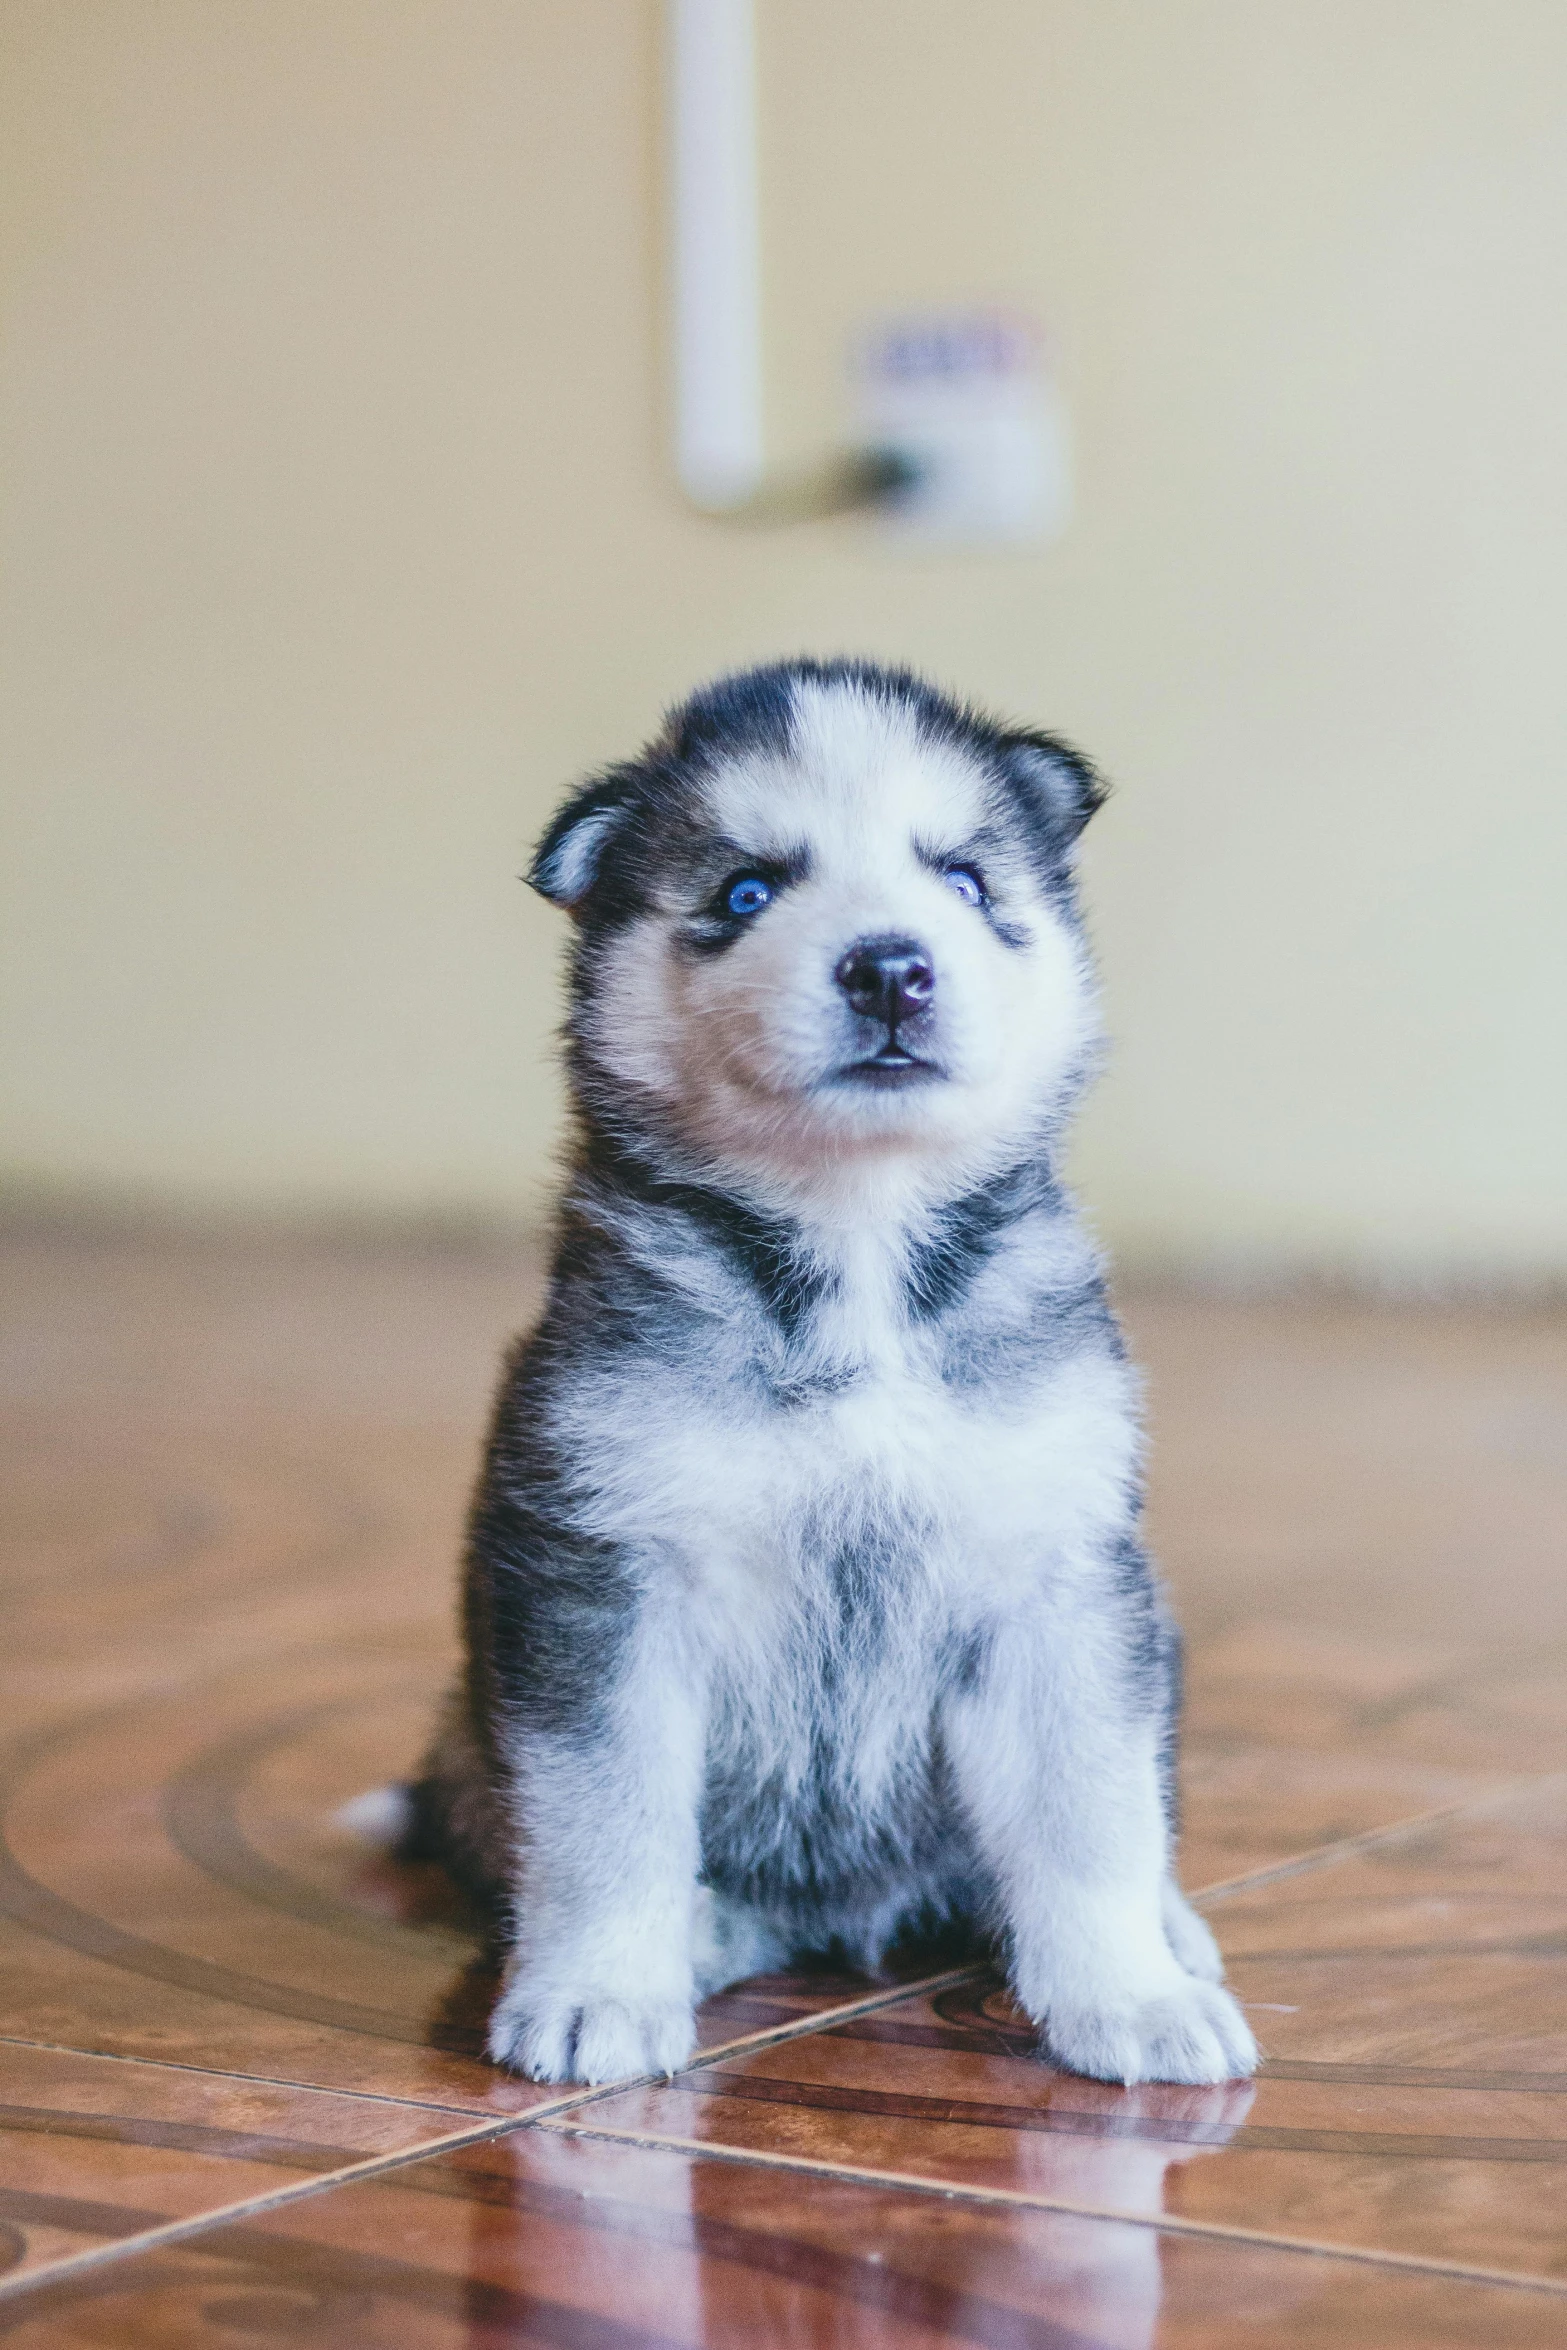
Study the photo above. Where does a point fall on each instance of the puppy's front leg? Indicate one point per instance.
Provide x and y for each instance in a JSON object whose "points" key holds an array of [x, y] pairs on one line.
{"points": [[599, 1983], [1055, 1750]]}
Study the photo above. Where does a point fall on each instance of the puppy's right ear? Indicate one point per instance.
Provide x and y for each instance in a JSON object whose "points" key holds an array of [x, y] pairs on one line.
{"points": [[569, 859]]}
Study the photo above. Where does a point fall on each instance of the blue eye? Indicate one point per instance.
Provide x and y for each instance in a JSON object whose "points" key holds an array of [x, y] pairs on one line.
{"points": [[967, 883], [748, 895]]}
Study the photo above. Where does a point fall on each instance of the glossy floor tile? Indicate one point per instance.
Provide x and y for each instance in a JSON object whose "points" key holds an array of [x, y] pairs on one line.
{"points": [[531, 2240], [233, 1483], [94, 2149]]}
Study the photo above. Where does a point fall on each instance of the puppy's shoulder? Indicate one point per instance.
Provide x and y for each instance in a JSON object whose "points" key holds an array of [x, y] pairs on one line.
{"points": [[1030, 1298], [676, 1281]]}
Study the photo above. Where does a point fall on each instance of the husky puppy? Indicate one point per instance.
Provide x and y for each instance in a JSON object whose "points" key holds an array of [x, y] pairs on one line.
{"points": [[805, 1603]]}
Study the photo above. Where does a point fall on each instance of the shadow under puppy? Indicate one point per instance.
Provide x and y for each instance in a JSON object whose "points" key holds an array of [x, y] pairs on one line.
{"points": [[804, 1602]]}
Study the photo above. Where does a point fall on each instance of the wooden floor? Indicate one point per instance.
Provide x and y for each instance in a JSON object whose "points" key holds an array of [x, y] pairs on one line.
{"points": [[243, 2097]]}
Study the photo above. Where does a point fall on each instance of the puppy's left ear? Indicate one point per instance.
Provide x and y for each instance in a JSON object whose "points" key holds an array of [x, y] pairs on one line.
{"points": [[570, 858], [1058, 787]]}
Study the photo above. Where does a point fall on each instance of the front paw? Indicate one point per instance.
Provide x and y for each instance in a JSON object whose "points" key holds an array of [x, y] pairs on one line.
{"points": [[595, 2038], [1189, 2031]]}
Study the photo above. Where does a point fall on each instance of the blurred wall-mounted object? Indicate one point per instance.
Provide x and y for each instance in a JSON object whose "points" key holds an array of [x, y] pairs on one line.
{"points": [[962, 437]]}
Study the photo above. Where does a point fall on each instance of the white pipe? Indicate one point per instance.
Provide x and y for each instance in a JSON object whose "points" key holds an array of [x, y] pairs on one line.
{"points": [[714, 250]]}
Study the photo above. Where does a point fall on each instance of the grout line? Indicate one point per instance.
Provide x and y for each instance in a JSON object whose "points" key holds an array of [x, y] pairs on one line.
{"points": [[1013, 2199], [175, 2231], [220, 2072], [820, 2020], [222, 2215], [1321, 1856], [887, 1996]]}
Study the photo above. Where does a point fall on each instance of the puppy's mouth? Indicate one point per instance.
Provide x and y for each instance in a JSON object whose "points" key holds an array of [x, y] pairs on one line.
{"points": [[892, 1064]]}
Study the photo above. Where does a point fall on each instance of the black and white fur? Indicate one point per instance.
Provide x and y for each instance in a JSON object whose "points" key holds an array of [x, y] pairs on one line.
{"points": [[805, 1602]]}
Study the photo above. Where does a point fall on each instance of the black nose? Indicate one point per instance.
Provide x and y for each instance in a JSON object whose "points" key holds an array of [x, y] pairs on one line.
{"points": [[887, 979]]}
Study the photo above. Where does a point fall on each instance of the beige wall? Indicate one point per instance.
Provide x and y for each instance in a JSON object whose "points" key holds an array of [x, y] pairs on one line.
{"points": [[337, 536]]}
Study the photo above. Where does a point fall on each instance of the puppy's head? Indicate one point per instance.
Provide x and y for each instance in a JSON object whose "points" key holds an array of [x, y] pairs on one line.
{"points": [[827, 919]]}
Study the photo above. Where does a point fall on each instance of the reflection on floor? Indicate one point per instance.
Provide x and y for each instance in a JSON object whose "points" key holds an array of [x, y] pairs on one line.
{"points": [[242, 2089]]}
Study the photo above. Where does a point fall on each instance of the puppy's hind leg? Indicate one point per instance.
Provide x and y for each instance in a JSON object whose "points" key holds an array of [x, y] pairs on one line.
{"points": [[446, 1813], [732, 1941], [1189, 1936]]}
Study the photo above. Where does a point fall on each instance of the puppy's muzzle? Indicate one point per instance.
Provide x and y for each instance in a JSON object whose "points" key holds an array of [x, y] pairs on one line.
{"points": [[891, 981]]}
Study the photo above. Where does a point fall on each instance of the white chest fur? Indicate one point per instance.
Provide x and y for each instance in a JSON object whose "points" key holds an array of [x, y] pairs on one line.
{"points": [[747, 1491]]}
